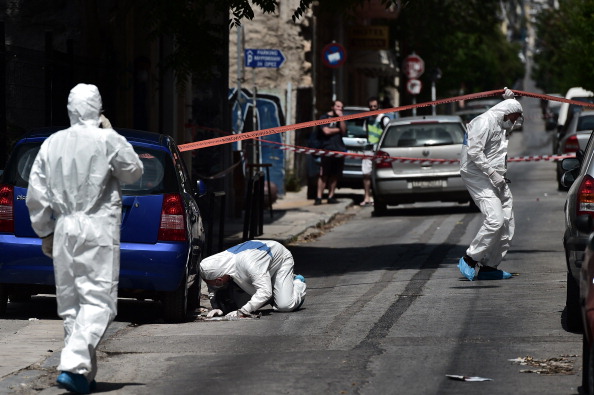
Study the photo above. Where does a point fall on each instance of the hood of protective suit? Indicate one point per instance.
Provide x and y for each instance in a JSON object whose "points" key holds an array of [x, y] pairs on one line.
{"points": [[84, 105], [217, 265], [506, 107]]}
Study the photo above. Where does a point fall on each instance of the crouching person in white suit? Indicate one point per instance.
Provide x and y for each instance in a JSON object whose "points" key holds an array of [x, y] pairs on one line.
{"points": [[250, 275]]}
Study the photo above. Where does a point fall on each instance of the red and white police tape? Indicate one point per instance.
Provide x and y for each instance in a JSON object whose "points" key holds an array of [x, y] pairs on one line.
{"points": [[265, 132], [380, 158]]}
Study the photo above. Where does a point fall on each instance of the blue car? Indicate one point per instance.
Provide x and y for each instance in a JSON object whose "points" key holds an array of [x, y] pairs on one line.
{"points": [[162, 234]]}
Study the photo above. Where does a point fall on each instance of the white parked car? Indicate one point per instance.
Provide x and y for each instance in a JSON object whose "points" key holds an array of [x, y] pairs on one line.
{"points": [[425, 137]]}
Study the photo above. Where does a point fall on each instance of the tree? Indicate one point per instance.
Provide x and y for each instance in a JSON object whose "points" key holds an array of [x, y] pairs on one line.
{"points": [[463, 38], [564, 53]]}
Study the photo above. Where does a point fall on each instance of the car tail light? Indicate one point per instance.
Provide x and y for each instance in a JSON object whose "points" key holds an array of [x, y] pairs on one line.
{"points": [[585, 197], [383, 164], [6, 208], [173, 220], [571, 144]]}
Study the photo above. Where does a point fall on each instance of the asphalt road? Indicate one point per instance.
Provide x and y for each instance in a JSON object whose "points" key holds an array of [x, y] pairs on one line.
{"points": [[387, 312]]}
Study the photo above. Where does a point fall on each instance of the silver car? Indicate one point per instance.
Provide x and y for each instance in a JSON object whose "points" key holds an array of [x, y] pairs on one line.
{"points": [[579, 218], [355, 142], [575, 139], [427, 137]]}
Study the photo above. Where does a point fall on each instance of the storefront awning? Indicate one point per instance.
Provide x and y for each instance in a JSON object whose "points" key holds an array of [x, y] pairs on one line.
{"points": [[374, 63]]}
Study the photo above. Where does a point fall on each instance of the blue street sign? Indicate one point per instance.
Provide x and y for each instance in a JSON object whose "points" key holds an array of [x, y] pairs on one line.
{"points": [[272, 58]]}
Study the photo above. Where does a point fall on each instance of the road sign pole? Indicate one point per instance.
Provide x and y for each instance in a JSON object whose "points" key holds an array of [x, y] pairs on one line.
{"points": [[333, 85], [414, 101], [433, 97], [255, 142]]}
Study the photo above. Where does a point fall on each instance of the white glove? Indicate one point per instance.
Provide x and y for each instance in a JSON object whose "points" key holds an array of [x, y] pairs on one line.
{"points": [[497, 180], [507, 93], [214, 312], [47, 245]]}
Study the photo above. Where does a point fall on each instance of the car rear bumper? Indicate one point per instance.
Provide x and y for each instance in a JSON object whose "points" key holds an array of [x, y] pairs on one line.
{"points": [[399, 190], [148, 267]]}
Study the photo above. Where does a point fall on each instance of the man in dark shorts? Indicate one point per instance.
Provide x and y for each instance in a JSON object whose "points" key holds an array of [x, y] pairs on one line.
{"points": [[330, 136]]}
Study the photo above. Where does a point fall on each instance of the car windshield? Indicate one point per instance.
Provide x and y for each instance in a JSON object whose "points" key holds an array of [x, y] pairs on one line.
{"points": [[355, 127], [158, 177], [423, 135]]}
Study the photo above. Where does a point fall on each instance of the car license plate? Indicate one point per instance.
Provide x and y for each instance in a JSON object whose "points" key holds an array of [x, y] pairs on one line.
{"points": [[441, 183]]}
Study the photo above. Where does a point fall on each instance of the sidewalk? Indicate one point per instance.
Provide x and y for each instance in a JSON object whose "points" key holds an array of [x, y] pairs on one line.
{"points": [[293, 215]]}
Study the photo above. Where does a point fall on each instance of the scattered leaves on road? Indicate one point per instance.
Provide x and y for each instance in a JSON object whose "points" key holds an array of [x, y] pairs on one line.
{"points": [[557, 365]]}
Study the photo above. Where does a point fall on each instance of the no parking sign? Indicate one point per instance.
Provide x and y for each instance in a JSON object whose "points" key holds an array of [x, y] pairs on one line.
{"points": [[333, 55]]}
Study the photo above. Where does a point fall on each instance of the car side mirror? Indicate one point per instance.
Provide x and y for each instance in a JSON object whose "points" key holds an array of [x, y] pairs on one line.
{"points": [[567, 179], [569, 164]]}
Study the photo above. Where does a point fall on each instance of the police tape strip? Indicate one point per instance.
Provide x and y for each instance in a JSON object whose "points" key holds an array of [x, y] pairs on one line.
{"points": [[231, 138], [384, 159], [379, 159]]}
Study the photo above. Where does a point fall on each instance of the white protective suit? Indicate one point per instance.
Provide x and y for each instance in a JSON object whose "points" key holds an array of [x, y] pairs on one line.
{"points": [[74, 193], [484, 153], [263, 269]]}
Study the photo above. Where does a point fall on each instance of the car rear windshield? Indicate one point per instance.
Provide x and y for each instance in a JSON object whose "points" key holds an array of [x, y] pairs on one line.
{"points": [[158, 177], [586, 122], [423, 135]]}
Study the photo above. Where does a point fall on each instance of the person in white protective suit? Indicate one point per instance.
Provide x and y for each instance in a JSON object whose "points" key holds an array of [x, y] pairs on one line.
{"points": [[74, 200], [483, 167], [261, 270]]}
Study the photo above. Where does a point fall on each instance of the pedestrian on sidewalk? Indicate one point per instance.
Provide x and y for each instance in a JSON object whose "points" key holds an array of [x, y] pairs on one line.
{"points": [[483, 167], [75, 205], [374, 126], [330, 137], [249, 275]]}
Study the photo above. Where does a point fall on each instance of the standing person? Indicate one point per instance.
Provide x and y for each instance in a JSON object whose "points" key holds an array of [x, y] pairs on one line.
{"points": [[330, 136], [483, 167], [74, 201], [251, 274], [374, 126]]}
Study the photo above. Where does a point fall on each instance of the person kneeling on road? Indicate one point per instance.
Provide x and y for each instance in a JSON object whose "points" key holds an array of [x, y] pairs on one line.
{"points": [[249, 275]]}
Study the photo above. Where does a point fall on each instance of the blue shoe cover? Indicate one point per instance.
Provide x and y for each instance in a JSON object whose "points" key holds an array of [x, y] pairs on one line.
{"points": [[466, 270], [300, 278], [493, 275], [74, 382]]}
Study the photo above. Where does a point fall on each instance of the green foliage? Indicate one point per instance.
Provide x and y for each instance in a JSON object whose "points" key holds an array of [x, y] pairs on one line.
{"points": [[463, 39], [565, 48]]}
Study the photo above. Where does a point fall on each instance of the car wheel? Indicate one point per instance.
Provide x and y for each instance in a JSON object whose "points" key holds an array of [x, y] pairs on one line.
{"points": [[194, 295], [573, 317], [587, 367], [20, 297], [379, 208], [3, 299], [312, 187], [473, 207], [175, 303]]}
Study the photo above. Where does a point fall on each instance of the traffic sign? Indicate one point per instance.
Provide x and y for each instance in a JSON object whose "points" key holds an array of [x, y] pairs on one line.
{"points": [[413, 66], [333, 55], [413, 86], [271, 58]]}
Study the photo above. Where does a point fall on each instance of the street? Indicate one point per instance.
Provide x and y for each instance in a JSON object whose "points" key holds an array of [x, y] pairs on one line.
{"points": [[387, 312]]}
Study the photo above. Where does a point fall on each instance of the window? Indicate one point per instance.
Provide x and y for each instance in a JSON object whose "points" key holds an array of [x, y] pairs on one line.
{"points": [[424, 135]]}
